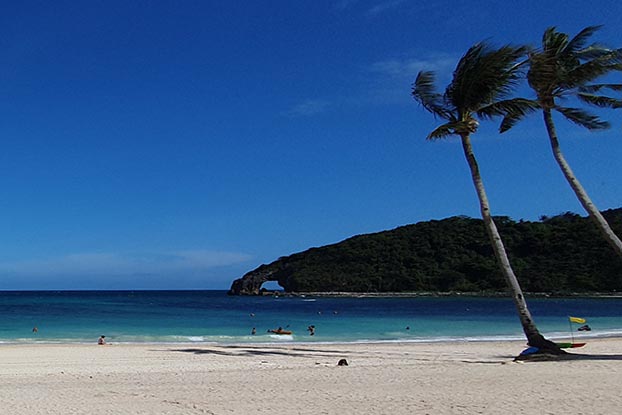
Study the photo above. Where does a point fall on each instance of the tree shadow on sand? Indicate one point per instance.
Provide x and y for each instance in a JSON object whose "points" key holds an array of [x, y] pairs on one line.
{"points": [[545, 357], [252, 351]]}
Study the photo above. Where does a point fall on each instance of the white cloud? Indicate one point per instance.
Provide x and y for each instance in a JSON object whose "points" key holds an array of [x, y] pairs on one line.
{"points": [[409, 67], [384, 6], [383, 82], [209, 259], [377, 7], [344, 4], [389, 81], [111, 264], [309, 107]]}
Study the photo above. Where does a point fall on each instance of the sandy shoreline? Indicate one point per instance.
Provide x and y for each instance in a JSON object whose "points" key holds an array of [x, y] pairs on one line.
{"points": [[385, 378]]}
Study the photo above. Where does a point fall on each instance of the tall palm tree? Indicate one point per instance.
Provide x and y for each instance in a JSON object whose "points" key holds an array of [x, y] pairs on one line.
{"points": [[565, 67], [482, 79]]}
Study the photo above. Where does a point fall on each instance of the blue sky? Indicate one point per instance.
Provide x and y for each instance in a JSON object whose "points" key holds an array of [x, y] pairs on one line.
{"points": [[179, 144]]}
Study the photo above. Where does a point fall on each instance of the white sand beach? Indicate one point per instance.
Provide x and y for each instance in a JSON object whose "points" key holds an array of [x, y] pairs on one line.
{"points": [[421, 378]]}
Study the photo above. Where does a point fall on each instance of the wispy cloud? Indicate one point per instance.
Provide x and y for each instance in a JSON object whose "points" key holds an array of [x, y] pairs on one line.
{"points": [[443, 64], [389, 81], [344, 4], [114, 264], [309, 107], [386, 81], [384, 6], [369, 8]]}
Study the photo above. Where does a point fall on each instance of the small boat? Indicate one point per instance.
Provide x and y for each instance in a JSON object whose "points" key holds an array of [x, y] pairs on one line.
{"points": [[570, 345], [279, 331]]}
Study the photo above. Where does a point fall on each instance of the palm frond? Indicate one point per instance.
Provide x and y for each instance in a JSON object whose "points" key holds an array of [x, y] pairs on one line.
{"points": [[583, 118], [443, 131], [578, 42], [554, 42], [600, 100], [457, 91], [424, 92], [543, 73], [567, 67], [484, 75], [508, 122], [593, 51], [592, 69], [515, 107], [588, 89]]}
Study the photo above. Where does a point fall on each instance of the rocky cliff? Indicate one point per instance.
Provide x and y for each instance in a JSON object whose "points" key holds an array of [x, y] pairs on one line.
{"points": [[251, 282]]}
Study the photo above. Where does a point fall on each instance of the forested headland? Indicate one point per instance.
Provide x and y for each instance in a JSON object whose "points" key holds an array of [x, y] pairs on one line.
{"points": [[559, 255]]}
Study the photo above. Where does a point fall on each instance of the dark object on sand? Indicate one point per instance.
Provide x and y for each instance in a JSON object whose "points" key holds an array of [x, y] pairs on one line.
{"points": [[342, 362]]}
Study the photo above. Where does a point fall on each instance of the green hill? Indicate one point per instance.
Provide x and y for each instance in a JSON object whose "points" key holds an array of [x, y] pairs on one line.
{"points": [[559, 254]]}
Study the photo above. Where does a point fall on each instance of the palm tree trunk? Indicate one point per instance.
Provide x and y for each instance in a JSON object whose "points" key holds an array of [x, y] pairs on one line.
{"points": [[585, 200], [534, 338]]}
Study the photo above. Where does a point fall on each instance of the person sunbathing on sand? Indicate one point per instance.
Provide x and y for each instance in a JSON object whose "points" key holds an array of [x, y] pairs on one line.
{"points": [[102, 340]]}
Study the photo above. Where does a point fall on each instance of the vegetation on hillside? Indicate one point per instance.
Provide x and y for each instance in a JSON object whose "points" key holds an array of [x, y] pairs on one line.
{"points": [[560, 254]]}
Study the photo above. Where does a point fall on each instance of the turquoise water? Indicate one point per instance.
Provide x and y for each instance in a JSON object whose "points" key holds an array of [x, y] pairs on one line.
{"points": [[212, 316]]}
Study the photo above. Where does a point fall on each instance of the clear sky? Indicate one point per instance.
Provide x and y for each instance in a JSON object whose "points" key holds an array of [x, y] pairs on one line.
{"points": [[179, 144]]}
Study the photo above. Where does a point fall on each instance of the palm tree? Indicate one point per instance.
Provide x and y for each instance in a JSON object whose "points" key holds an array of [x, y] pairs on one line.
{"points": [[482, 79], [566, 67]]}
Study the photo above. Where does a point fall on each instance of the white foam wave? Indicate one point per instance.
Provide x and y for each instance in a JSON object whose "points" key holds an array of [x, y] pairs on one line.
{"points": [[282, 337]]}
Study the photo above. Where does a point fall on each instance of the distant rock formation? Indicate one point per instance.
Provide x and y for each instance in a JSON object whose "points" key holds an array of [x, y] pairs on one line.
{"points": [[251, 282], [559, 254]]}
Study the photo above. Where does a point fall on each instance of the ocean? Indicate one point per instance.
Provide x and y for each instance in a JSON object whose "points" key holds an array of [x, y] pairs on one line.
{"points": [[214, 317]]}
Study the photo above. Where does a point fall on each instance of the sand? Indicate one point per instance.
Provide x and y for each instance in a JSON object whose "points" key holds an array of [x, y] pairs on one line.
{"points": [[411, 378]]}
